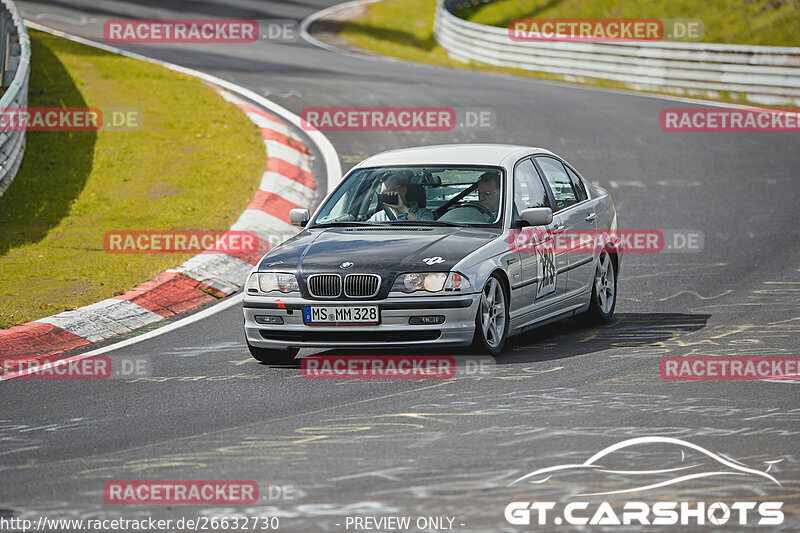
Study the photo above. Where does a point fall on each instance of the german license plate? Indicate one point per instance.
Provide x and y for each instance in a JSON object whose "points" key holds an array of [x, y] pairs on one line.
{"points": [[341, 315]]}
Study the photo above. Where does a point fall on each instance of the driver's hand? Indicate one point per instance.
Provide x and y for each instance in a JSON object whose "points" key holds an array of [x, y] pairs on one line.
{"points": [[400, 205]]}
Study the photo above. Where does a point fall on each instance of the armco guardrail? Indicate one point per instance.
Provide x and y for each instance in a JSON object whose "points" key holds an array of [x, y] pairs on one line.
{"points": [[763, 74], [15, 60]]}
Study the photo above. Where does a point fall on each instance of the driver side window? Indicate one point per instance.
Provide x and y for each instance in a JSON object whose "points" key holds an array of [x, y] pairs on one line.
{"points": [[529, 190]]}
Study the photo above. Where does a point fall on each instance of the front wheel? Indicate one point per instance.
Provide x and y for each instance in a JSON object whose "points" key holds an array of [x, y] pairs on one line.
{"points": [[491, 322], [273, 357], [604, 290]]}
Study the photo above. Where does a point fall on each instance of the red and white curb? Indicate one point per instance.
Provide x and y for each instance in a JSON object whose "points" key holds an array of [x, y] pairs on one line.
{"points": [[287, 183]]}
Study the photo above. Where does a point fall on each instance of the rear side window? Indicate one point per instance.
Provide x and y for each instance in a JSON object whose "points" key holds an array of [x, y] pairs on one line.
{"points": [[529, 190], [559, 182], [577, 184]]}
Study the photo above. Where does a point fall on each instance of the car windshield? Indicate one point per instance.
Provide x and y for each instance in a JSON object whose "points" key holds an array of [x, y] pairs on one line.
{"points": [[445, 195]]}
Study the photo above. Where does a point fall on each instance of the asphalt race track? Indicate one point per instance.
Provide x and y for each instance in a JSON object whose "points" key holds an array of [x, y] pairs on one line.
{"points": [[450, 448]]}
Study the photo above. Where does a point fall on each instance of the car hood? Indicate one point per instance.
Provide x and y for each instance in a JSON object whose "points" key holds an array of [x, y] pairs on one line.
{"points": [[387, 251]]}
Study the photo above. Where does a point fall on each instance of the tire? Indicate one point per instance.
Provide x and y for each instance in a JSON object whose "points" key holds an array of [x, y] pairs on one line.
{"points": [[604, 291], [273, 357], [490, 336]]}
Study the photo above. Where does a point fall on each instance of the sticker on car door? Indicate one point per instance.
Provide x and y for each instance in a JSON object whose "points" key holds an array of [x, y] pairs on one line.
{"points": [[545, 269]]}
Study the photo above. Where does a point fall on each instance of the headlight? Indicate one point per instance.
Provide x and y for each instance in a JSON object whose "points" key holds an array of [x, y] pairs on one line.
{"points": [[430, 282], [272, 281], [457, 282]]}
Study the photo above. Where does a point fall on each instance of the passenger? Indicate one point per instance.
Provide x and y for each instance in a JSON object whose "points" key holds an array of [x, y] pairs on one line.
{"points": [[396, 184]]}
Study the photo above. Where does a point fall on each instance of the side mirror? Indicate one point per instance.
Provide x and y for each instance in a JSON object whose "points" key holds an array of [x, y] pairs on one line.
{"points": [[300, 217], [537, 216]]}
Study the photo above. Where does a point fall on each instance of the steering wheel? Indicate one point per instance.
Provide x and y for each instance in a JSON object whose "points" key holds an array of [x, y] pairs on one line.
{"points": [[483, 209], [453, 201]]}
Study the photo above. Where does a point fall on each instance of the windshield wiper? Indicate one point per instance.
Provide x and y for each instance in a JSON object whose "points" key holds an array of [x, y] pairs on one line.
{"points": [[343, 224], [424, 223]]}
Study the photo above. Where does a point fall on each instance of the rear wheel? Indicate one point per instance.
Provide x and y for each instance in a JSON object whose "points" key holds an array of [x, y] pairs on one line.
{"points": [[604, 290], [491, 322], [273, 357]]}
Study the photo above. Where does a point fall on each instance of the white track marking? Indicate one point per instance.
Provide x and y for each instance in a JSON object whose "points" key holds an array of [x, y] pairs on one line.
{"points": [[266, 123], [103, 320], [290, 155]]}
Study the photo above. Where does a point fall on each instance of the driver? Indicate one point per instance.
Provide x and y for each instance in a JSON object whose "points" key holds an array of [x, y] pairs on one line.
{"points": [[489, 193], [396, 184]]}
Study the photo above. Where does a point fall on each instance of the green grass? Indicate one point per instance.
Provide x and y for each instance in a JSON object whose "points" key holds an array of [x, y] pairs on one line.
{"points": [[193, 164], [399, 28], [404, 29], [758, 22]]}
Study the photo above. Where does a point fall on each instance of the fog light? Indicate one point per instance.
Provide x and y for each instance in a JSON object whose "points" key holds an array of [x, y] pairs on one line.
{"points": [[425, 320], [261, 319]]}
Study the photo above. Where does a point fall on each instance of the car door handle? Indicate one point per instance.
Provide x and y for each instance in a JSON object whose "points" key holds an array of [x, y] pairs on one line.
{"points": [[590, 217], [558, 228]]}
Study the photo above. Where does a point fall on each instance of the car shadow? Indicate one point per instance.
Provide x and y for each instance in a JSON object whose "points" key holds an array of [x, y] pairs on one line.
{"points": [[563, 339], [575, 336]]}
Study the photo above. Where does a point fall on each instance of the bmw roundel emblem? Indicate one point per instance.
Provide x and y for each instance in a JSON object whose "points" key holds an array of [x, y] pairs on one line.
{"points": [[346, 264]]}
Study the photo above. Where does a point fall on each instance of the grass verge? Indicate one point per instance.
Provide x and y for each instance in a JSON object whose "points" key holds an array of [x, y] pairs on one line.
{"points": [[194, 163], [404, 29]]}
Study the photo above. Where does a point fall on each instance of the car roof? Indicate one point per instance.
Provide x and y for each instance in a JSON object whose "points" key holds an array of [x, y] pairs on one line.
{"points": [[449, 154]]}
